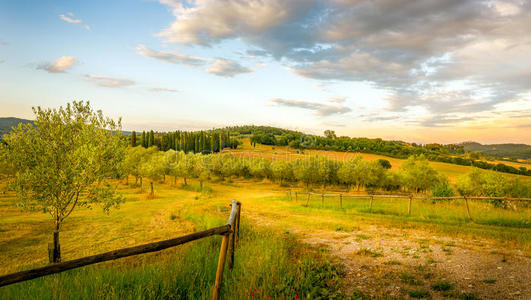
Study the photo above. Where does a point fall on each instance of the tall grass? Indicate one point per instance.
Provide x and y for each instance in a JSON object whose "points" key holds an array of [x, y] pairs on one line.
{"points": [[267, 265]]}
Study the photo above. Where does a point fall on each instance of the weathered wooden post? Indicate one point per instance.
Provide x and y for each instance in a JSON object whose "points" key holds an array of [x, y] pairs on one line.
{"points": [[409, 205], [322, 199], [296, 194], [238, 222], [340, 200], [467, 208], [308, 200], [370, 205], [226, 242], [221, 266]]}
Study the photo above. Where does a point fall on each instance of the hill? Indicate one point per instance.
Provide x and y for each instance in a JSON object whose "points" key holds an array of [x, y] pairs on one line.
{"points": [[504, 150], [7, 123]]}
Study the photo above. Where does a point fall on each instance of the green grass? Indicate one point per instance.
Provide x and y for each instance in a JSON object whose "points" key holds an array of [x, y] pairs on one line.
{"points": [[266, 264]]}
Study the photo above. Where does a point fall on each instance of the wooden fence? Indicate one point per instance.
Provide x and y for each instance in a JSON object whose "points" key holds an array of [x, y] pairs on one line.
{"points": [[410, 197], [230, 232]]}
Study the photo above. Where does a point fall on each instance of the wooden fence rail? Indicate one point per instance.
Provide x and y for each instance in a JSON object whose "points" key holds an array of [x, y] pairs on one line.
{"points": [[229, 231], [410, 197]]}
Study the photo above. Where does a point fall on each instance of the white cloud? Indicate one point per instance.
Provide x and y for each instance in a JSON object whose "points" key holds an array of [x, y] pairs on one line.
{"points": [[164, 90], [318, 108], [337, 99], [413, 50], [112, 82], [69, 17], [227, 68], [60, 65], [170, 57]]}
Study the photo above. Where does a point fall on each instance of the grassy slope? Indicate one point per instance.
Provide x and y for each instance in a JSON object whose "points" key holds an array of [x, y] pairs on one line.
{"points": [[267, 263], [282, 152]]}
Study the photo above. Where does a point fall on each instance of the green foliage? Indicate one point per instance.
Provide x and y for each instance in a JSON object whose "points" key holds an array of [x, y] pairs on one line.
{"points": [[384, 163], [492, 184], [442, 286], [419, 175], [443, 189], [65, 160], [420, 293]]}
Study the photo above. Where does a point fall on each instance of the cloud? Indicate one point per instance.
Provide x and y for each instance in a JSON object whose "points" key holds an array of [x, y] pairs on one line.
{"points": [[2, 61], [69, 17], [111, 82], [320, 109], [170, 57], [61, 65], [416, 51], [337, 99], [227, 68], [3, 43], [164, 90]]}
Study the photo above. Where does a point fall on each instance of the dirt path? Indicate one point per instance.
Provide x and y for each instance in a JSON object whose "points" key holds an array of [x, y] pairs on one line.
{"points": [[382, 262]]}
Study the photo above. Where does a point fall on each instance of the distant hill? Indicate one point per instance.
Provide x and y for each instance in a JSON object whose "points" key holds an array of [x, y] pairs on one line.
{"points": [[504, 150], [7, 123]]}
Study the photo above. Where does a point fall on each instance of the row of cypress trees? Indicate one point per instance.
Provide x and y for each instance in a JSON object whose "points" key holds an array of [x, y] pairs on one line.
{"points": [[187, 141]]}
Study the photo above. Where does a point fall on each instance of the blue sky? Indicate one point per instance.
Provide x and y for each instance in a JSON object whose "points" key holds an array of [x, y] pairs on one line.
{"points": [[426, 71]]}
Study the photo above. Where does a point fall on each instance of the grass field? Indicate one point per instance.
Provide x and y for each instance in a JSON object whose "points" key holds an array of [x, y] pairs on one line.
{"points": [[267, 263], [270, 261]]}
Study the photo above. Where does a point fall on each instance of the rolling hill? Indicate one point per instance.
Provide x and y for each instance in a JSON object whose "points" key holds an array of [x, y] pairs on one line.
{"points": [[504, 150]]}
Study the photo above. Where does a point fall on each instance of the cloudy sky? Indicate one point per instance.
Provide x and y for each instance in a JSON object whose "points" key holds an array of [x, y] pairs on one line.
{"points": [[424, 71]]}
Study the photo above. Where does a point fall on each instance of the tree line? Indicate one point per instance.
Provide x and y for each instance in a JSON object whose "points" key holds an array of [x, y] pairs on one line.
{"points": [[194, 141], [414, 176], [450, 153]]}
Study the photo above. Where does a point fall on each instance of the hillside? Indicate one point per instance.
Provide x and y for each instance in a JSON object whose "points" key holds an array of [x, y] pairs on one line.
{"points": [[452, 171], [7, 123], [504, 150]]}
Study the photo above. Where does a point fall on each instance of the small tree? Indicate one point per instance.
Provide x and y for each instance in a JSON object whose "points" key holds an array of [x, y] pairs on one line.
{"points": [[418, 174], [64, 161]]}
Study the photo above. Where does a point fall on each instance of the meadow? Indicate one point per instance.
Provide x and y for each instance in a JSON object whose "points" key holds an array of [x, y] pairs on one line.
{"points": [[275, 258]]}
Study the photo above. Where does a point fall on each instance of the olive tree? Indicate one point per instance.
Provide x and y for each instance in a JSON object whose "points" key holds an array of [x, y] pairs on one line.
{"points": [[65, 160]]}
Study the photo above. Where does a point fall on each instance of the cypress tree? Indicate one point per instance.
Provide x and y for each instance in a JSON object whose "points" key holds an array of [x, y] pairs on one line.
{"points": [[151, 139], [133, 139], [144, 139]]}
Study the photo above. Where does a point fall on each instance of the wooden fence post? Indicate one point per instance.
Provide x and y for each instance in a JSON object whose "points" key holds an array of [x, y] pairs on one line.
{"points": [[238, 222], [370, 205], [322, 199], [409, 205], [296, 196], [467, 208], [221, 266], [340, 200], [308, 200]]}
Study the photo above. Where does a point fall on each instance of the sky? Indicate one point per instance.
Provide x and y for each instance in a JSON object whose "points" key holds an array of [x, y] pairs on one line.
{"points": [[421, 71]]}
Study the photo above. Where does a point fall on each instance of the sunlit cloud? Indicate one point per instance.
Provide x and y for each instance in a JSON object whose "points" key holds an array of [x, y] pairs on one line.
{"points": [[318, 108], [69, 18], [227, 68], [166, 90], [111, 82], [415, 51], [171, 57], [61, 65]]}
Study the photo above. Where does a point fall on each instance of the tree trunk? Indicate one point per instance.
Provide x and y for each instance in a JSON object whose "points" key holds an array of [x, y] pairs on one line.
{"points": [[174, 180], [152, 193], [185, 181], [54, 248], [201, 184], [140, 184], [136, 180]]}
